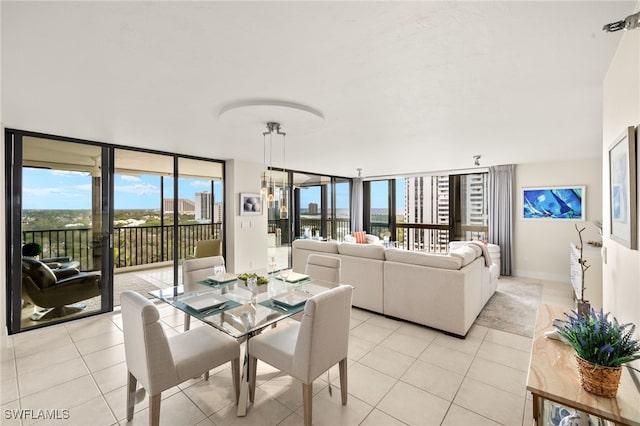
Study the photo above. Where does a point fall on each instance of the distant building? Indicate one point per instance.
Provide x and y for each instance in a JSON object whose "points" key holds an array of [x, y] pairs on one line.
{"points": [[426, 201], [313, 208], [185, 206], [203, 205], [218, 211], [475, 210]]}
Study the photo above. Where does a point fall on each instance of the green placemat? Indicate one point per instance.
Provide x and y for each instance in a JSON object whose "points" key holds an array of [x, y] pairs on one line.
{"points": [[213, 283], [284, 309]]}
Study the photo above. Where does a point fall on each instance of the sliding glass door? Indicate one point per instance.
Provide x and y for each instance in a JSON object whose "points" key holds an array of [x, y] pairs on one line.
{"points": [[142, 227], [322, 206], [200, 209], [58, 230]]}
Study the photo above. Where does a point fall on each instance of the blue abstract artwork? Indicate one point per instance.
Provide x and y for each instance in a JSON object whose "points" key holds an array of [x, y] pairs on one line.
{"points": [[554, 203]]}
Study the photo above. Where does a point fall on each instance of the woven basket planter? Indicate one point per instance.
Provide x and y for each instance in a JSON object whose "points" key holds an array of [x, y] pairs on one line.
{"points": [[601, 381]]}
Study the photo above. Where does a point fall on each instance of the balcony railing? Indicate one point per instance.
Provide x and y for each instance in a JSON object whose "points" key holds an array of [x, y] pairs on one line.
{"points": [[427, 237], [409, 236], [132, 245], [342, 225], [142, 245]]}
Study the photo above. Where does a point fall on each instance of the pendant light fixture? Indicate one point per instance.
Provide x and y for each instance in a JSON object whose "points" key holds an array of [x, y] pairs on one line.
{"points": [[249, 112], [284, 212], [267, 185]]}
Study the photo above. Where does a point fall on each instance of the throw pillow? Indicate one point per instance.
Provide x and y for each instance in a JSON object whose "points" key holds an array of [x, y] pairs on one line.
{"points": [[361, 236], [349, 239]]}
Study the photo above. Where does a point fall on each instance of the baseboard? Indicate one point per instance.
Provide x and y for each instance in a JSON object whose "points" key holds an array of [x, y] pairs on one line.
{"points": [[540, 275]]}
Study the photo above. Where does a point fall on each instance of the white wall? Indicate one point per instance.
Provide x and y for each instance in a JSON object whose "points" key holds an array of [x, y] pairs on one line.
{"points": [[246, 239], [621, 108], [3, 251], [541, 247], [3, 233]]}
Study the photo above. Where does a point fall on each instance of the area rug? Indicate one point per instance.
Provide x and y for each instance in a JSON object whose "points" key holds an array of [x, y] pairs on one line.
{"points": [[512, 308]]}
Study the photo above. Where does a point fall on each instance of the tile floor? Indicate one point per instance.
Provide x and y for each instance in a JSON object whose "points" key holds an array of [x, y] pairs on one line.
{"points": [[399, 374]]}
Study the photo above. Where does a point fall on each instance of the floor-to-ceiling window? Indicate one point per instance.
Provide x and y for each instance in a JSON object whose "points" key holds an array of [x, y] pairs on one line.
{"points": [[86, 221], [311, 194], [426, 212], [58, 231], [200, 207], [321, 206], [470, 208], [305, 205], [379, 206], [142, 231], [341, 213], [158, 219]]}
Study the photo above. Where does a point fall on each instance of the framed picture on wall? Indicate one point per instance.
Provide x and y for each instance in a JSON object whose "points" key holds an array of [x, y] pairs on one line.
{"points": [[250, 204], [554, 203], [622, 189]]}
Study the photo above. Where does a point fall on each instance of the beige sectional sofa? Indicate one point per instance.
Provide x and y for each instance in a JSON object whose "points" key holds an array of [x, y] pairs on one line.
{"points": [[362, 266], [443, 291]]}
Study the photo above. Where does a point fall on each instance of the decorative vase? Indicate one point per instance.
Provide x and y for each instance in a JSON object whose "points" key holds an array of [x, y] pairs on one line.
{"points": [[578, 418], [583, 307], [599, 380]]}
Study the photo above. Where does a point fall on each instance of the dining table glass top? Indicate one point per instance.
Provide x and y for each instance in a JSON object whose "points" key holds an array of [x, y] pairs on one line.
{"points": [[235, 308]]}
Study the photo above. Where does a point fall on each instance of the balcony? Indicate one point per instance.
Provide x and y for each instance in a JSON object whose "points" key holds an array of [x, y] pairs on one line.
{"points": [[132, 246]]}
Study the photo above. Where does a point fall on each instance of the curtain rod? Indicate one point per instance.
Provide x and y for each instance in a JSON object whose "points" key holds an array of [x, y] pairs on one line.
{"points": [[432, 173]]}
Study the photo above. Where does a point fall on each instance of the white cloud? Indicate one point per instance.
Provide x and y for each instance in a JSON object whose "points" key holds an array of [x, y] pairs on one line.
{"points": [[129, 178], [201, 183], [138, 189], [38, 192], [48, 192], [68, 173]]}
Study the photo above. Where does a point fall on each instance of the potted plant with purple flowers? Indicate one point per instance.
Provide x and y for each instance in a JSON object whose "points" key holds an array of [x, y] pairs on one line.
{"points": [[601, 346]]}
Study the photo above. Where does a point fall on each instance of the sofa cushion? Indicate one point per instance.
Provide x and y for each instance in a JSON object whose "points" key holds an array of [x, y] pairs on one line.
{"points": [[466, 253], [434, 260], [314, 245], [372, 239], [371, 251]]}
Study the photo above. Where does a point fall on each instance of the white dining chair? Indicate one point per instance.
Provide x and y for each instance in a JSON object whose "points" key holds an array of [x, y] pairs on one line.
{"points": [[194, 270], [159, 362], [324, 268], [307, 349]]}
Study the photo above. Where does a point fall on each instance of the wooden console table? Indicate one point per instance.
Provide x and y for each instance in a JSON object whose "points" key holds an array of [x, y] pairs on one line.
{"points": [[553, 376]]}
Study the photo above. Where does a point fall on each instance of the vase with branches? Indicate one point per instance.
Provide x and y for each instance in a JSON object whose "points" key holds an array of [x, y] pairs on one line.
{"points": [[583, 306]]}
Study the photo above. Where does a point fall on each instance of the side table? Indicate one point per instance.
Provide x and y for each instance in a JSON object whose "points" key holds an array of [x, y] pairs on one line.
{"points": [[553, 376]]}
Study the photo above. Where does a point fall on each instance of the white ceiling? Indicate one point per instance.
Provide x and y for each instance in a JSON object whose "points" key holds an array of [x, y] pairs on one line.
{"points": [[403, 87]]}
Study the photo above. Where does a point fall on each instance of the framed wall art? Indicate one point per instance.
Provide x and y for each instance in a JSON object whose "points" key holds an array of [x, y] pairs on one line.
{"points": [[250, 204], [554, 203], [622, 189]]}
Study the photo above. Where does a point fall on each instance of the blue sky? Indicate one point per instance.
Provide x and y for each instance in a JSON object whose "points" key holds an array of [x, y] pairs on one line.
{"points": [[56, 189], [379, 195]]}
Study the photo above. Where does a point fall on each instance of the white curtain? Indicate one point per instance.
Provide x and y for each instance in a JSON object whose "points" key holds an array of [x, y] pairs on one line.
{"points": [[356, 204], [501, 213]]}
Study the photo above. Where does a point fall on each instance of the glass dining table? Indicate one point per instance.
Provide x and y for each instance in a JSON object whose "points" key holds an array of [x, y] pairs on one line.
{"points": [[240, 310]]}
